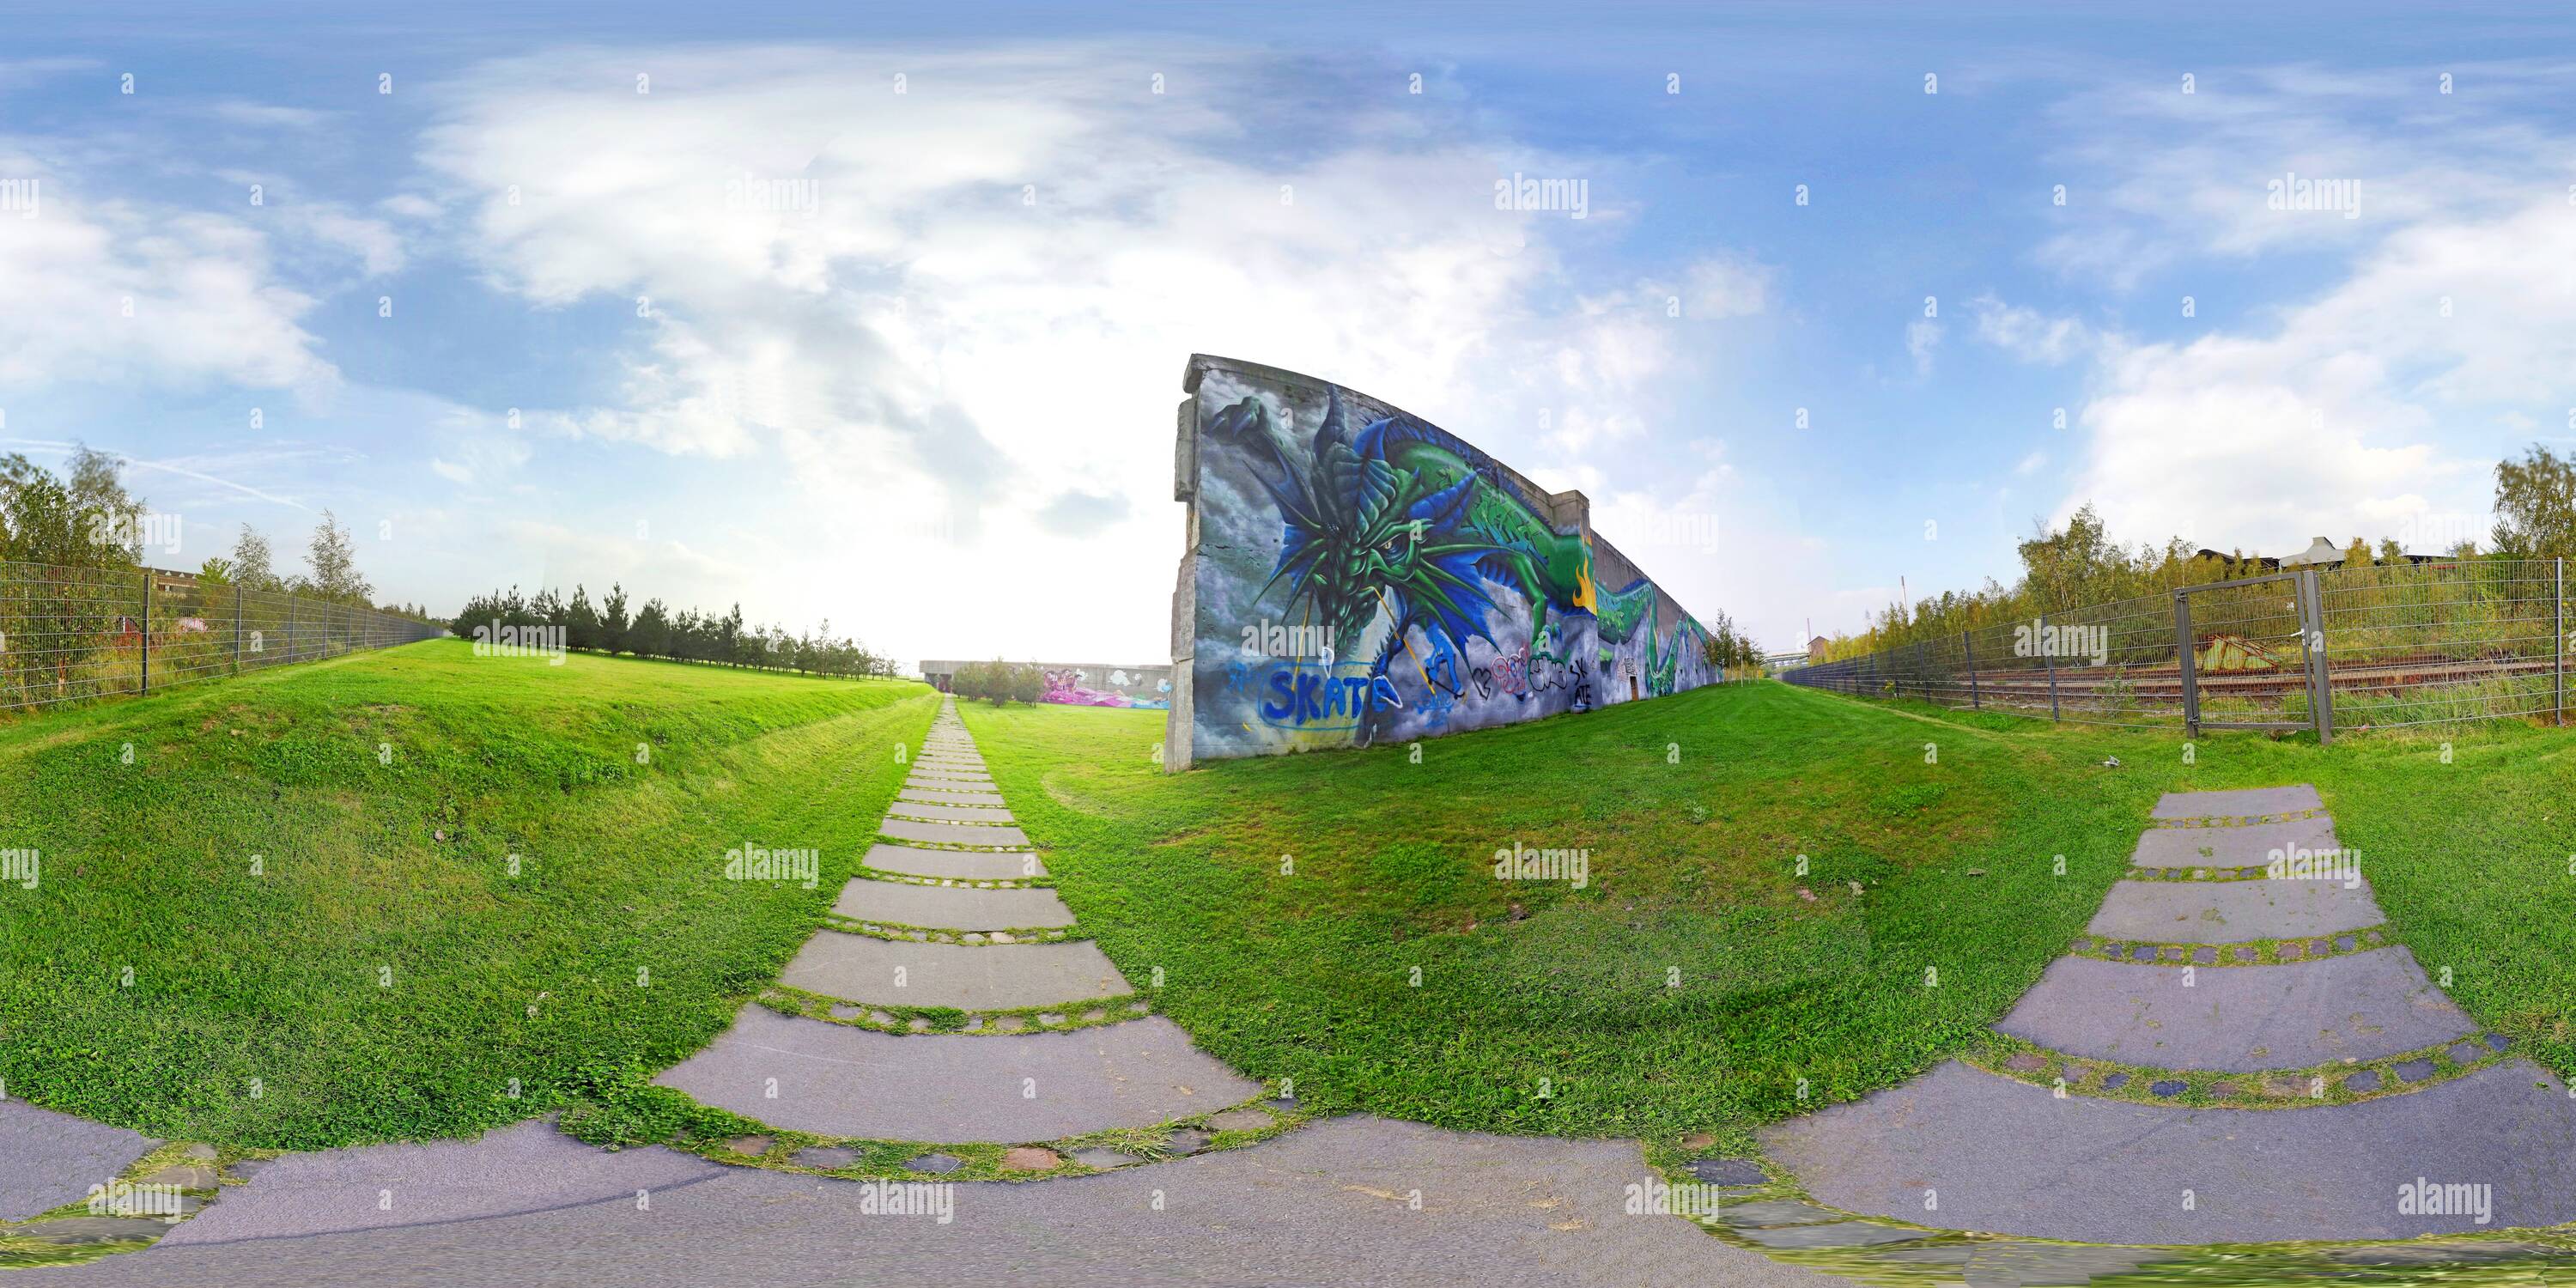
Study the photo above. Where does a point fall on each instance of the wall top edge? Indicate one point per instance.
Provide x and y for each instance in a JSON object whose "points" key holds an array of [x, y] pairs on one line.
{"points": [[1202, 363]]}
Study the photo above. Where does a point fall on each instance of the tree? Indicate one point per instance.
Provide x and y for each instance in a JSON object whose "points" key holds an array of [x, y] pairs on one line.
{"points": [[215, 571], [2535, 504], [613, 625], [2063, 569], [581, 621], [97, 485], [333, 557], [650, 636], [252, 568], [87, 522]]}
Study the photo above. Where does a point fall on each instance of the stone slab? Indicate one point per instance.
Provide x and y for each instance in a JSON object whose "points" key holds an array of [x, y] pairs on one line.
{"points": [[2249, 846], [521, 1168], [840, 1081], [951, 907], [949, 812], [49, 1159], [959, 865], [948, 796], [2010, 1158], [2227, 912], [906, 829], [859, 968], [1306, 1209], [2237, 1020], [949, 778], [2239, 803]]}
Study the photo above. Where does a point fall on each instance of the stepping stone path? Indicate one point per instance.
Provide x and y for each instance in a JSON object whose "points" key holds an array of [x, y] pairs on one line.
{"points": [[1962, 1148], [1008, 1080]]}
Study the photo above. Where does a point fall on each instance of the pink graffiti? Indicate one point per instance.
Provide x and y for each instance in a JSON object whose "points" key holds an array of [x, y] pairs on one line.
{"points": [[1062, 687]]}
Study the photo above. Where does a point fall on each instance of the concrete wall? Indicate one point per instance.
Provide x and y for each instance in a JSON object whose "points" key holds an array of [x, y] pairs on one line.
{"points": [[1084, 684], [1356, 575]]}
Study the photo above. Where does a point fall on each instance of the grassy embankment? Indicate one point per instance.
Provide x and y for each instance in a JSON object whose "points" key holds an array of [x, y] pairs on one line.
{"points": [[1698, 982], [281, 911]]}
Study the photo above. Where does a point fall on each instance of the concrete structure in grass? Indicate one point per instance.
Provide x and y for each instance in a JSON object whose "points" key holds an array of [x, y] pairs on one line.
{"points": [[1356, 575]]}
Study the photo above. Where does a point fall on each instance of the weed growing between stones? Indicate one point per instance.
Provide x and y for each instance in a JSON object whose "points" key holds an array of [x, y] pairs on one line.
{"points": [[2249, 952], [909, 878], [1004, 1021], [639, 1113], [933, 935], [75, 1232], [2343, 1082]]}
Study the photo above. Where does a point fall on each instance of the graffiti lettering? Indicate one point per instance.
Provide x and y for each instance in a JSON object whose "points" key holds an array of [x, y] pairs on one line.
{"points": [[1304, 696]]}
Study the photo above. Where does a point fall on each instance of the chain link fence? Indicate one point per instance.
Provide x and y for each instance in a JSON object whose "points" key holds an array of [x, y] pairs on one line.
{"points": [[2350, 648], [73, 633]]}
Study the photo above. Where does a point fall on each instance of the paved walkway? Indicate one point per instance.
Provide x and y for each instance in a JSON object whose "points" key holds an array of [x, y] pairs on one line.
{"points": [[1328, 1205], [2226, 1055], [52, 1159], [2244, 1056], [1053, 1044]]}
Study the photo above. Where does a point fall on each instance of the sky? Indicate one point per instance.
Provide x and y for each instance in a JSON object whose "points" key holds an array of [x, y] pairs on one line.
{"points": [[877, 316]]}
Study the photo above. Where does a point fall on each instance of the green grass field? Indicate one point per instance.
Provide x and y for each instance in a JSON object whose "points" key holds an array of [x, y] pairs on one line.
{"points": [[1700, 982], [248, 930]]}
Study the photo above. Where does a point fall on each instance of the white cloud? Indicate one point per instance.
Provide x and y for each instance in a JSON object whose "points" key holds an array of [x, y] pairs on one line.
{"points": [[372, 242], [2026, 333], [1922, 337], [2166, 177], [2375, 405], [268, 116], [943, 307], [106, 290], [1725, 286], [480, 458], [2345, 420]]}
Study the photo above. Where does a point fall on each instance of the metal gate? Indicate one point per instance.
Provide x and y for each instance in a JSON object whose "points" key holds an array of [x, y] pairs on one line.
{"points": [[2250, 641]]}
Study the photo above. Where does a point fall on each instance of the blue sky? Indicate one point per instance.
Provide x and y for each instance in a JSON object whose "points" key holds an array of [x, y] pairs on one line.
{"points": [[775, 332]]}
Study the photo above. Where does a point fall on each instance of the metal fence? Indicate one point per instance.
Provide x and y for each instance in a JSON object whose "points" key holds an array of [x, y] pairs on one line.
{"points": [[2349, 648], [73, 633]]}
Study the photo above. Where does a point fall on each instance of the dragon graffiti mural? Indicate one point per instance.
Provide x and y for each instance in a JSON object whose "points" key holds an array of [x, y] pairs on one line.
{"points": [[1373, 577]]}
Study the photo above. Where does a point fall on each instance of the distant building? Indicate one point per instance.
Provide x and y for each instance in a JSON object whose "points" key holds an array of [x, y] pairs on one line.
{"points": [[2270, 563], [1816, 647], [168, 584]]}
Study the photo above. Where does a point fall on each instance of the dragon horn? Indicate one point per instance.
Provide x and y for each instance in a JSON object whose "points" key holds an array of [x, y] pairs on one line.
{"points": [[1331, 430]]}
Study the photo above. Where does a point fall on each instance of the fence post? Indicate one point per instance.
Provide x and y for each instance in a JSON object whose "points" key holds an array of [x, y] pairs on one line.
{"points": [[2187, 664], [236, 628], [1969, 646], [2312, 621], [2558, 638], [2050, 656], [290, 626], [147, 630]]}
